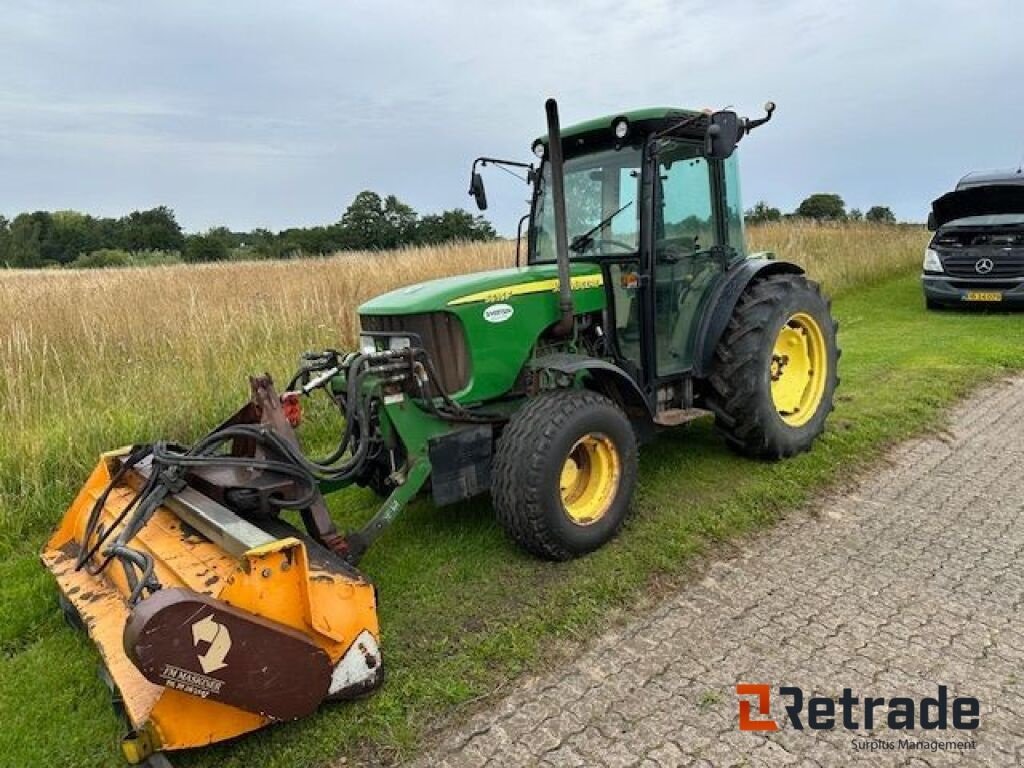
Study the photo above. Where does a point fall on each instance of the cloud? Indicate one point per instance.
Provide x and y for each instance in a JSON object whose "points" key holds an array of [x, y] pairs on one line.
{"points": [[275, 115]]}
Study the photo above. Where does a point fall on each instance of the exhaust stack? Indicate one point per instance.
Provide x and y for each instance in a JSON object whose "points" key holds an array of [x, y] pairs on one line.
{"points": [[564, 325]]}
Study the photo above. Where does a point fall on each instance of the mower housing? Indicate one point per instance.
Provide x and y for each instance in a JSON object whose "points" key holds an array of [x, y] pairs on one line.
{"points": [[251, 624]]}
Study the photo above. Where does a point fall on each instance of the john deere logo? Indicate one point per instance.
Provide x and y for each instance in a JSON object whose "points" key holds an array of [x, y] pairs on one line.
{"points": [[217, 640], [498, 313], [984, 266]]}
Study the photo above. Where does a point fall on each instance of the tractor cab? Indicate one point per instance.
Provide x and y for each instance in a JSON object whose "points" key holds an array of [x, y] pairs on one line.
{"points": [[652, 197], [661, 218]]}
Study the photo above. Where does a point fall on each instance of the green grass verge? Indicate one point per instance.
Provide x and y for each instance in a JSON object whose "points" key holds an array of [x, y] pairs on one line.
{"points": [[464, 611]]}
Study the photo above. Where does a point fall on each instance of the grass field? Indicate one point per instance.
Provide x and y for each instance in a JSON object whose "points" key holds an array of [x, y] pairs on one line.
{"points": [[92, 360]]}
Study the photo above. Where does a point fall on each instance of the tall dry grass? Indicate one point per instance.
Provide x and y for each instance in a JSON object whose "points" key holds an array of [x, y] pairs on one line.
{"points": [[94, 359], [843, 256]]}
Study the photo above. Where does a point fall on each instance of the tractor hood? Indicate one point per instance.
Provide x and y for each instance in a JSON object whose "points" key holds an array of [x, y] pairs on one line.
{"points": [[985, 200], [478, 287]]}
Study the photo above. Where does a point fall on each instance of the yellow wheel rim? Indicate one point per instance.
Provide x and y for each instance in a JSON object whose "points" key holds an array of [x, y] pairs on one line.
{"points": [[590, 479], [799, 369]]}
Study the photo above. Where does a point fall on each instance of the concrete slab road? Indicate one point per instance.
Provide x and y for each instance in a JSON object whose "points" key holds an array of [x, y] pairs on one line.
{"points": [[913, 580]]}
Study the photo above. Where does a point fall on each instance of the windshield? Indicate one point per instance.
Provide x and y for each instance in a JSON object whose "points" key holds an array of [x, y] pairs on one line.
{"points": [[600, 187], [992, 220]]}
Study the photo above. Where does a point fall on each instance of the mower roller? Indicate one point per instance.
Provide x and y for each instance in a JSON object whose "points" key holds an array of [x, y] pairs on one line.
{"points": [[638, 309]]}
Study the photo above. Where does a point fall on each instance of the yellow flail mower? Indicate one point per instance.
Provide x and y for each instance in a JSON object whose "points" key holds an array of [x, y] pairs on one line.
{"points": [[637, 310], [213, 616]]}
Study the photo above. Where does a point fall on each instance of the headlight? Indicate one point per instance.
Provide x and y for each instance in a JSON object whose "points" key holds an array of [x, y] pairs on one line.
{"points": [[932, 263], [369, 345]]}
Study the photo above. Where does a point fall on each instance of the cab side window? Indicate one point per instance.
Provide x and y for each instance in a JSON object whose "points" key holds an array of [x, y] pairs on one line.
{"points": [[734, 206], [684, 222]]}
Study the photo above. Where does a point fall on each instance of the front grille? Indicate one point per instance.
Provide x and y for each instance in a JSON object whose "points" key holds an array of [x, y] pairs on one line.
{"points": [[443, 339], [985, 285], [1004, 263]]}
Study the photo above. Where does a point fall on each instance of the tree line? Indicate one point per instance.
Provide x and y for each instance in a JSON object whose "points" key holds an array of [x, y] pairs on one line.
{"points": [[821, 206], [371, 222]]}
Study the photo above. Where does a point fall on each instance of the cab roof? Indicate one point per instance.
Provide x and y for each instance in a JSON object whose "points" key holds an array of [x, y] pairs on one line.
{"points": [[647, 119]]}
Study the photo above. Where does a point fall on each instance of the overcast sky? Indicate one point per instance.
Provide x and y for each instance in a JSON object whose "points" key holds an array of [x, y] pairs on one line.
{"points": [[276, 114]]}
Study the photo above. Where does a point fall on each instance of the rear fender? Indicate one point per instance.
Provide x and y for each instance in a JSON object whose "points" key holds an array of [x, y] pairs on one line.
{"points": [[723, 302]]}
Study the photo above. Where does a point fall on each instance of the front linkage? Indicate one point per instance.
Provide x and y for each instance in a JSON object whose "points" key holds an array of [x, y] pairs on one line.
{"points": [[400, 428], [253, 463]]}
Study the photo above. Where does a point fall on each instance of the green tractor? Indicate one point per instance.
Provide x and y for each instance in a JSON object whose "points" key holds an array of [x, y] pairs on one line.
{"points": [[637, 310]]}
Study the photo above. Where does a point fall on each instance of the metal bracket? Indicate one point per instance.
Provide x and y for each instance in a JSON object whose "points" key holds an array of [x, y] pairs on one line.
{"points": [[354, 545]]}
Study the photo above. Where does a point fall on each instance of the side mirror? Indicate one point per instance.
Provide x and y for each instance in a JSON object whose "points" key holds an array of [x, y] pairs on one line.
{"points": [[476, 189], [931, 221], [724, 132]]}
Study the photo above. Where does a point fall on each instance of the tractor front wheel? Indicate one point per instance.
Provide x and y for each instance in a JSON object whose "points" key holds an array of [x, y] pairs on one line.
{"points": [[564, 472], [775, 367]]}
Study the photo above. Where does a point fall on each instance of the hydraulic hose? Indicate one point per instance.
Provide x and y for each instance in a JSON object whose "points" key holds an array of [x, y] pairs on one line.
{"points": [[454, 412], [132, 560], [85, 554]]}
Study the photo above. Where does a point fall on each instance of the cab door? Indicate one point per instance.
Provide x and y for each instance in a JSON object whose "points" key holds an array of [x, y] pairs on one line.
{"points": [[685, 260], [621, 261]]}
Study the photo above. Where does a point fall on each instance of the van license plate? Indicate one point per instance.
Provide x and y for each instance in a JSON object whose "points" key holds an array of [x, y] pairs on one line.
{"points": [[984, 296]]}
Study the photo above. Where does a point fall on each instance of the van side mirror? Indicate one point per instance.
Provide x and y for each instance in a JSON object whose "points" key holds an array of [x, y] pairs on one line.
{"points": [[723, 133], [476, 189], [931, 221]]}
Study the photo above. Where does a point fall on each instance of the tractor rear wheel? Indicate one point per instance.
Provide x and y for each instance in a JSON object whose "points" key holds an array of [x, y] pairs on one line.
{"points": [[564, 472], [775, 368]]}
